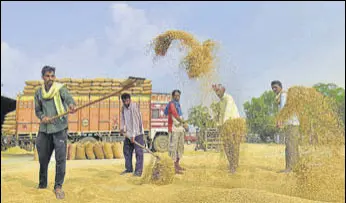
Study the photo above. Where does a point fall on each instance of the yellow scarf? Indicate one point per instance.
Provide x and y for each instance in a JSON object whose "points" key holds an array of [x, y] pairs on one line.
{"points": [[54, 92], [278, 96]]}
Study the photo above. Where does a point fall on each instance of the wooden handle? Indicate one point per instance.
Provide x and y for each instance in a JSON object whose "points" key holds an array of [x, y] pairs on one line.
{"points": [[98, 100], [143, 147]]}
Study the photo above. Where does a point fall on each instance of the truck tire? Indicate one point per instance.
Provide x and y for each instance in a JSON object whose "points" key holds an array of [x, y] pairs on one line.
{"points": [[88, 139], [160, 143]]}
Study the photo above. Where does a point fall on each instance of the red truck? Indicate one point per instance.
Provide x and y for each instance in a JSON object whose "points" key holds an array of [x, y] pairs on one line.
{"points": [[159, 122]]}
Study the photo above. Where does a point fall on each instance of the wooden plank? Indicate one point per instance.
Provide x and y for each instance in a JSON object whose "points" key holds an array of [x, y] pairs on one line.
{"points": [[73, 119], [84, 116], [94, 114], [24, 115], [104, 121], [114, 112]]}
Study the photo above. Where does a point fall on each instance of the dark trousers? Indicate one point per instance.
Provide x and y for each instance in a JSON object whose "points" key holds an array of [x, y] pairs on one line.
{"points": [[128, 152], [45, 144]]}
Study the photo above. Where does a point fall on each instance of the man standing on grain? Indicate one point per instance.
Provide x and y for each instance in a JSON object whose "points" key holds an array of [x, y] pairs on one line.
{"points": [[290, 129], [132, 127], [50, 100], [228, 110], [176, 130]]}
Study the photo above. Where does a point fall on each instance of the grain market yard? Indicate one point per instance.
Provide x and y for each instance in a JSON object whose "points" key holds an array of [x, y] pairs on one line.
{"points": [[206, 180]]}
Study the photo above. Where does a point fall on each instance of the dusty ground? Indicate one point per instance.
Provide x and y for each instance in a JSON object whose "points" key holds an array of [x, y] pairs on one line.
{"points": [[206, 180]]}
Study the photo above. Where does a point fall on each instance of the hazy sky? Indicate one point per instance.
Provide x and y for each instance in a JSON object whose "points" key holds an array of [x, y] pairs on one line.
{"points": [[299, 43]]}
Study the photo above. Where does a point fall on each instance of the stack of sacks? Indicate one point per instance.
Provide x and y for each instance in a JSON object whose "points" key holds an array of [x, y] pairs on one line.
{"points": [[9, 125], [97, 86]]}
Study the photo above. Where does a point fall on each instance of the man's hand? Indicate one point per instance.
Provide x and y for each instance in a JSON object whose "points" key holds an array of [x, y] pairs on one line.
{"points": [[186, 126], [72, 108], [132, 139], [46, 120]]}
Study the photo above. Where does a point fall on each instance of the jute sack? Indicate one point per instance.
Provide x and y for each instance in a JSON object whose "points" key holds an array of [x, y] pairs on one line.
{"points": [[85, 85], [99, 151], [117, 149], [80, 154], [107, 148], [89, 150], [32, 82], [71, 154], [106, 84]]}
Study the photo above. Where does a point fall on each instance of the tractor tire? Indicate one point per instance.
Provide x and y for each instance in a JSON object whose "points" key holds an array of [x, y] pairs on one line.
{"points": [[88, 139], [160, 143]]}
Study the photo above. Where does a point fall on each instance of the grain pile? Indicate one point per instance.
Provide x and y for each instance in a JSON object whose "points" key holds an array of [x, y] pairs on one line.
{"points": [[9, 125], [321, 137], [256, 181], [16, 150], [200, 58], [97, 86], [232, 133], [159, 172]]}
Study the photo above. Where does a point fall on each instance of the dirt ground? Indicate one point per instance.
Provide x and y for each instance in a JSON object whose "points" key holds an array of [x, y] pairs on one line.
{"points": [[206, 180]]}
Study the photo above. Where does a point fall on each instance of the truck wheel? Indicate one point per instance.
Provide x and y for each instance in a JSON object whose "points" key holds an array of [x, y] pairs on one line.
{"points": [[161, 143], [88, 139]]}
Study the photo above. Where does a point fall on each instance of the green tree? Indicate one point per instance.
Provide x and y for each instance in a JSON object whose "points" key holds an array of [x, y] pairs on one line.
{"points": [[337, 95], [260, 114], [200, 117]]}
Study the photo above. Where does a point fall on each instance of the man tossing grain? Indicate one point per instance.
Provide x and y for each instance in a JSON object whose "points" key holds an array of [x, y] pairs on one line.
{"points": [[228, 110], [176, 130], [50, 100], [291, 130]]}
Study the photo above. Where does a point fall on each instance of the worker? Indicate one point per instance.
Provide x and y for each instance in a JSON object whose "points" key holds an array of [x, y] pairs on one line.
{"points": [[51, 99], [290, 129], [132, 127], [176, 130], [228, 110]]}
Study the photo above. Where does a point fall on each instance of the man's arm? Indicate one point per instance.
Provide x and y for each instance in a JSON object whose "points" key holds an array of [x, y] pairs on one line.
{"points": [[139, 115], [231, 110], [283, 98], [66, 96], [122, 120], [174, 112], [38, 106]]}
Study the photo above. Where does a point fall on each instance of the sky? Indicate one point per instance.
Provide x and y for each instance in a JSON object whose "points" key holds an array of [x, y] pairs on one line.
{"points": [[298, 43]]}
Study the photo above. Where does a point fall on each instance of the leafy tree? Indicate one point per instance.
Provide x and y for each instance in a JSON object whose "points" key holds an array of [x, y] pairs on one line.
{"points": [[200, 117], [260, 113], [337, 95]]}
